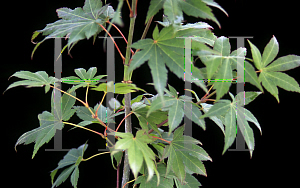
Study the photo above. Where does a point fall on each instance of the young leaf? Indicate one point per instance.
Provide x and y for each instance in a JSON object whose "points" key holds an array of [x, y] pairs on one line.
{"points": [[118, 88], [138, 151], [85, 78], [37, 79], [73, 158]]}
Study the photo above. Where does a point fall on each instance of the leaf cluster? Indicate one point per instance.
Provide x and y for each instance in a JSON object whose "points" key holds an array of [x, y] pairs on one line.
{"points": [[160, 155]]}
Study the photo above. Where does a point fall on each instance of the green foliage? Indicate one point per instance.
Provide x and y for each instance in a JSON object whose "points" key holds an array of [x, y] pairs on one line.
{"points": [[38, 79], [49, 123], [157, 158], [270, 77], [73, 158], [79, 23]]}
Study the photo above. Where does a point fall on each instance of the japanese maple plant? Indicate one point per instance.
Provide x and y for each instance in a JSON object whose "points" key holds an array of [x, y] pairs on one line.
{"points": [[173, 157]]}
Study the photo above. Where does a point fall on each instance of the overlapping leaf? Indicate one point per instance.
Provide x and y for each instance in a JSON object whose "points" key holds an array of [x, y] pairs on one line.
{"points": [[184, 155], [150, 121], [104, 114], [270, 77], [220, 66], [176, 110], [63, 109], [37, 79], [166, 181], [84, 78], [138, 152], [118, 88], [73, 158], [235, 113], [175, 8], [79, 23], [165, 49], [49, 123]]}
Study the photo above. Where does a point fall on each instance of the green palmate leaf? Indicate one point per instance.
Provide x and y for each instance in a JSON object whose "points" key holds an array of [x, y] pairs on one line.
{"points": [[256, 55], [270, 52], [220, 108], [184, 156], [49, 122], [268, 76], [37, 79], [230, 128], [165, 50], [79, 23], [84, 78], [118, 88], [73, 158], [138, 151], [43, 134]]}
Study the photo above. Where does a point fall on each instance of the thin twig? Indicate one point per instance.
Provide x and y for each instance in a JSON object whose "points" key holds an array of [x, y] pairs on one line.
{"points": [[113, 41], [85, 128], [120, 33], [123, 120], [94, 156], [159, 125], [69, 95]]}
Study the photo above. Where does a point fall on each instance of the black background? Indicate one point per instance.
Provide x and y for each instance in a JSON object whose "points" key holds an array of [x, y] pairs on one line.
{"points": [[274, 156]]}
